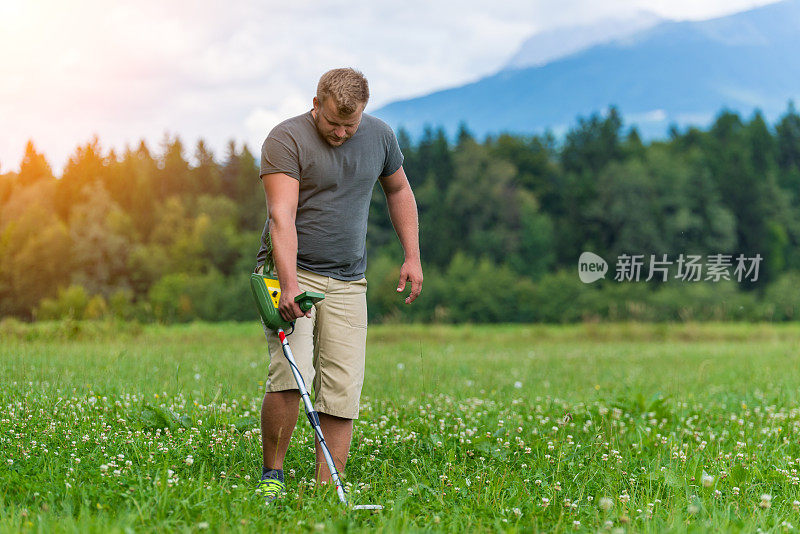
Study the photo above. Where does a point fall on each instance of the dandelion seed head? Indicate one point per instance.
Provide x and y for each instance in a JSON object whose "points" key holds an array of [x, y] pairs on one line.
{"points": [[605, 504]]}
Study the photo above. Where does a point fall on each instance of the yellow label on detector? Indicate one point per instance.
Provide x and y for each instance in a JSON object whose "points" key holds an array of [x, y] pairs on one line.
{"points": [[274, 290]]}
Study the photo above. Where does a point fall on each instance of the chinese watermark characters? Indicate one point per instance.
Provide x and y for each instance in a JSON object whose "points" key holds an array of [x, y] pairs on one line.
{"points": [[658, 267]]}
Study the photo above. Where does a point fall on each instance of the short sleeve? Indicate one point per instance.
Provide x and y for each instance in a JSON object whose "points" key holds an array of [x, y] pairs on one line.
{"points": [[279, 154], [394, 157]]}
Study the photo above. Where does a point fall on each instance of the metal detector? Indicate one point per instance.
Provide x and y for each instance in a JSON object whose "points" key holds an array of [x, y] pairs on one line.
{"points": [[266, 291]]}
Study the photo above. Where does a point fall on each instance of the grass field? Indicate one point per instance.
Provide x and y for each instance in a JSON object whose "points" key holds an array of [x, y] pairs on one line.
{"points": [[613, 428]]}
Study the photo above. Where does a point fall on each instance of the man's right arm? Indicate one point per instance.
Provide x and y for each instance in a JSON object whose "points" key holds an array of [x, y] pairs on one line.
{"points": [[282, 196]]}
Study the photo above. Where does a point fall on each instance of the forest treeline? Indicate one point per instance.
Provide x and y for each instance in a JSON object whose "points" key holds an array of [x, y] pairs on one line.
{"points": [[152, 237]]}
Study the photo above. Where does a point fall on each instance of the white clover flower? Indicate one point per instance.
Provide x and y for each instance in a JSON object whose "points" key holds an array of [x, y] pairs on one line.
{"points": [[104, 468], [189, 460], [766, 501], [624, 498], [605, 504], [693, 509], [518, 384]]}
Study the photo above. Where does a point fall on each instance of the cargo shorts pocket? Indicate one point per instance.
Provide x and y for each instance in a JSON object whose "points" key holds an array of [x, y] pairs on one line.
{"points": [[356, 303]]}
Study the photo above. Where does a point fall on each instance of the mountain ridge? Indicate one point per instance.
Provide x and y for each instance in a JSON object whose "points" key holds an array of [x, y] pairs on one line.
{"points": [[677, 72]]}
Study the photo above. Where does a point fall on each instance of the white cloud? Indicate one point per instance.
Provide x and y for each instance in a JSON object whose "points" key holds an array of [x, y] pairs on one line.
{"points": [[654, 115], [261, 120]]}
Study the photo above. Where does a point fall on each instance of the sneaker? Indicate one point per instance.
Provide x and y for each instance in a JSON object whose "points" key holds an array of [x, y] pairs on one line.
{"points": [[270, 487]]}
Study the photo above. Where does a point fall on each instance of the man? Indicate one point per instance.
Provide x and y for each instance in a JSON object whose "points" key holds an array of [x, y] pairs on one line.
{"points": [[319, 170]]}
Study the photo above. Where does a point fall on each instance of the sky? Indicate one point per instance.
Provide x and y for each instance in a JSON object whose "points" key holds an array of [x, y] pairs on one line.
{"points": [[220, 71]]}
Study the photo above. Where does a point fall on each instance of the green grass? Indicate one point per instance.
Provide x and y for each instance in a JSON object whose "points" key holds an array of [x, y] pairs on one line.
{"points": [[469, 428]]}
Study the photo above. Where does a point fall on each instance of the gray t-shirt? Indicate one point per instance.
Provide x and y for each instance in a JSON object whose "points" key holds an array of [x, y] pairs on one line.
{"points": [[336, 186]]}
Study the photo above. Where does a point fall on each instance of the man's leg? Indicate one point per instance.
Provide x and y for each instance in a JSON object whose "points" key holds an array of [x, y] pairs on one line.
{"points": [[281, 404], [279, 411], [338, 433]]}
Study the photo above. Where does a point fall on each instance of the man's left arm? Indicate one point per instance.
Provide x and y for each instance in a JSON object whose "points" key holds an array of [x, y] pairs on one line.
{"points": [[403, 213]]}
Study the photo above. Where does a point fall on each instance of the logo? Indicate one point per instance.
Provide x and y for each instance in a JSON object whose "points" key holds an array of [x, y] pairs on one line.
{"points": [[591, 267], [686, 268]]}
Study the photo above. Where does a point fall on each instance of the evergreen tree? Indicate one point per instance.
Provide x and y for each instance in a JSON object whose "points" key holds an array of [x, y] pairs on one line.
{"points": [[34, 167], [206, 176], [173, 176], [84, 168]]}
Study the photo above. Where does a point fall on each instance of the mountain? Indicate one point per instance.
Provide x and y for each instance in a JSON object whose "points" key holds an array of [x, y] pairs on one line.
{"points": [[673, 73], [549, 45]]}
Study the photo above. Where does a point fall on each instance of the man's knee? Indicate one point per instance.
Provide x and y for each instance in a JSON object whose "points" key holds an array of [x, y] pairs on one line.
{"points": [[335, 419], [284, 397]]}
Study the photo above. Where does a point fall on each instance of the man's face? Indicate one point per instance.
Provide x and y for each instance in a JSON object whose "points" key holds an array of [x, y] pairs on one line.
{"points": [[334, 128]]}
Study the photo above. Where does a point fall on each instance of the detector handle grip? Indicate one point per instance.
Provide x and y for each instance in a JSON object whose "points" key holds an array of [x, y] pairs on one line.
{"points": [[307, 299]]}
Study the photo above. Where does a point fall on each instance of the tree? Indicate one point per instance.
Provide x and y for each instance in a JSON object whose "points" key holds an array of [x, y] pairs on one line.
{"points": [[242, 184], [84, 168], [594, 143], [174, 177], [788, 154], [138, 172], [697, 220], [788, 134], [34, 167], [748, 186], [532, 158], [625, 211], [101, 235], [206, 176], [34, 260]]}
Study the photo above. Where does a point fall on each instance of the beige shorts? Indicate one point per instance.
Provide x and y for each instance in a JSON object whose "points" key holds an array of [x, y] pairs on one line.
{"points": [[329, 347]]}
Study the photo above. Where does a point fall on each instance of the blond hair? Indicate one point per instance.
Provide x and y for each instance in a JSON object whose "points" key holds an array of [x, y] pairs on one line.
{"points": [[348, 88]]}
